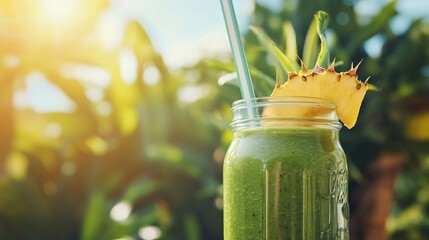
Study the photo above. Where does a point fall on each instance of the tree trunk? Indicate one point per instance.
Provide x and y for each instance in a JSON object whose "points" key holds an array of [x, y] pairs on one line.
{"points": [[374, 198]]}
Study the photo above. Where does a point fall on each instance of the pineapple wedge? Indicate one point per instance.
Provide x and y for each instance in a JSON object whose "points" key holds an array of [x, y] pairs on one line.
{"points": [[343, 89]]}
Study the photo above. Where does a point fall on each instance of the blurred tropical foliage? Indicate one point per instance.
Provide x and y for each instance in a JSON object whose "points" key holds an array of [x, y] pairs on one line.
{"points": [[137, 151], [126, 160]]}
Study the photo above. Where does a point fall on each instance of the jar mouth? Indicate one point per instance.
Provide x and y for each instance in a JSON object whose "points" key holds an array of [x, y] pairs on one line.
{"points": [[285, 112], [305, 101]]}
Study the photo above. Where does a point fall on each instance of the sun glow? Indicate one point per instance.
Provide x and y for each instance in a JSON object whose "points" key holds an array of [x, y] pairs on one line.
{"points": [[62, 21], [58, 10], [48, 24]]}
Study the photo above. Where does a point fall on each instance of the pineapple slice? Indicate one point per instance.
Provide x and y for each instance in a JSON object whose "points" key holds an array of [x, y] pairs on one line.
{"points": [[343, 89]]}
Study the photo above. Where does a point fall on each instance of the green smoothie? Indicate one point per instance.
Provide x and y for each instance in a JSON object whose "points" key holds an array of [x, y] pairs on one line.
{"points": [[285, 183]]}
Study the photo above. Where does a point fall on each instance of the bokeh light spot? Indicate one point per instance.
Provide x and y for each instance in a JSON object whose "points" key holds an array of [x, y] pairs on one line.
{"points": [[128, 64], [150, 232], [219, 155], [342, 18], [104, 109], [121, 211], [68, 168], [425, 71], [17, 165], [400, 24], [53, 130], [11, 60], [218, 202], [374, 45], [97, 145], [151, 74], [190, 94], [94, 94]]}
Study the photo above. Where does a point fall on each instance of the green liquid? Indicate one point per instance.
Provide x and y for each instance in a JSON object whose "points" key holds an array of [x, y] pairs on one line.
{"points": [[285, 183]]}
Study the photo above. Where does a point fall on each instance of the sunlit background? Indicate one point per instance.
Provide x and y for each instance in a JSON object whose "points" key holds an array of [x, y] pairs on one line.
{"points": [[180, 39], [113, 124]]}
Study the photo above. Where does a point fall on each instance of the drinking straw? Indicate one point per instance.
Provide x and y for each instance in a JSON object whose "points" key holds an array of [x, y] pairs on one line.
{"points": [[237, 49]]}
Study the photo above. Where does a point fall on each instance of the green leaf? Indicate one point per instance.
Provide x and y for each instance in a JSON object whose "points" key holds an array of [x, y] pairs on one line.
{"points": [[94, 216], [290, 41], [322, 20], [281, 59], [139, 189], [191, 227], [372, 87], [309, 54], [173, 156]]}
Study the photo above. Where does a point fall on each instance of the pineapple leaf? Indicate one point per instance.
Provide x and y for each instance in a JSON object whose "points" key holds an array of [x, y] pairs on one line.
{"points": [[281, 59], [311, 47], [322, 20], [372, 87], [290, 41]]}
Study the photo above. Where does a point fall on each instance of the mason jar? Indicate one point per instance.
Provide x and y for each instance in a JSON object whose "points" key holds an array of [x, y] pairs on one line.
{"points": [[285, 173]]}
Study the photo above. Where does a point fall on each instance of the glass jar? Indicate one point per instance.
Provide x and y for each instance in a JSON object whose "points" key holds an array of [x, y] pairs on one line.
{"points": [[285, 173]]}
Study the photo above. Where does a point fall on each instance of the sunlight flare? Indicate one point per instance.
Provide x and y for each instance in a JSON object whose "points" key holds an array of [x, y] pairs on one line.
{"points": [[59, 10]]}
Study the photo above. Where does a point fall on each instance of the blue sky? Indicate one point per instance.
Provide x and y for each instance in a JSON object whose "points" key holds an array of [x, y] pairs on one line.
{"points": [[182, 30]]}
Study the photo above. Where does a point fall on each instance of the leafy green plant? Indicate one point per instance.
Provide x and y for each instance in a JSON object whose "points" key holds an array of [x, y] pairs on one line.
{"points": [[390, 135], [110, 167]]}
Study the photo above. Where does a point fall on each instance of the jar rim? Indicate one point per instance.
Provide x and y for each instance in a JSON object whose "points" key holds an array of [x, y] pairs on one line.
{"points": [[288, 112], [301, 100]]}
